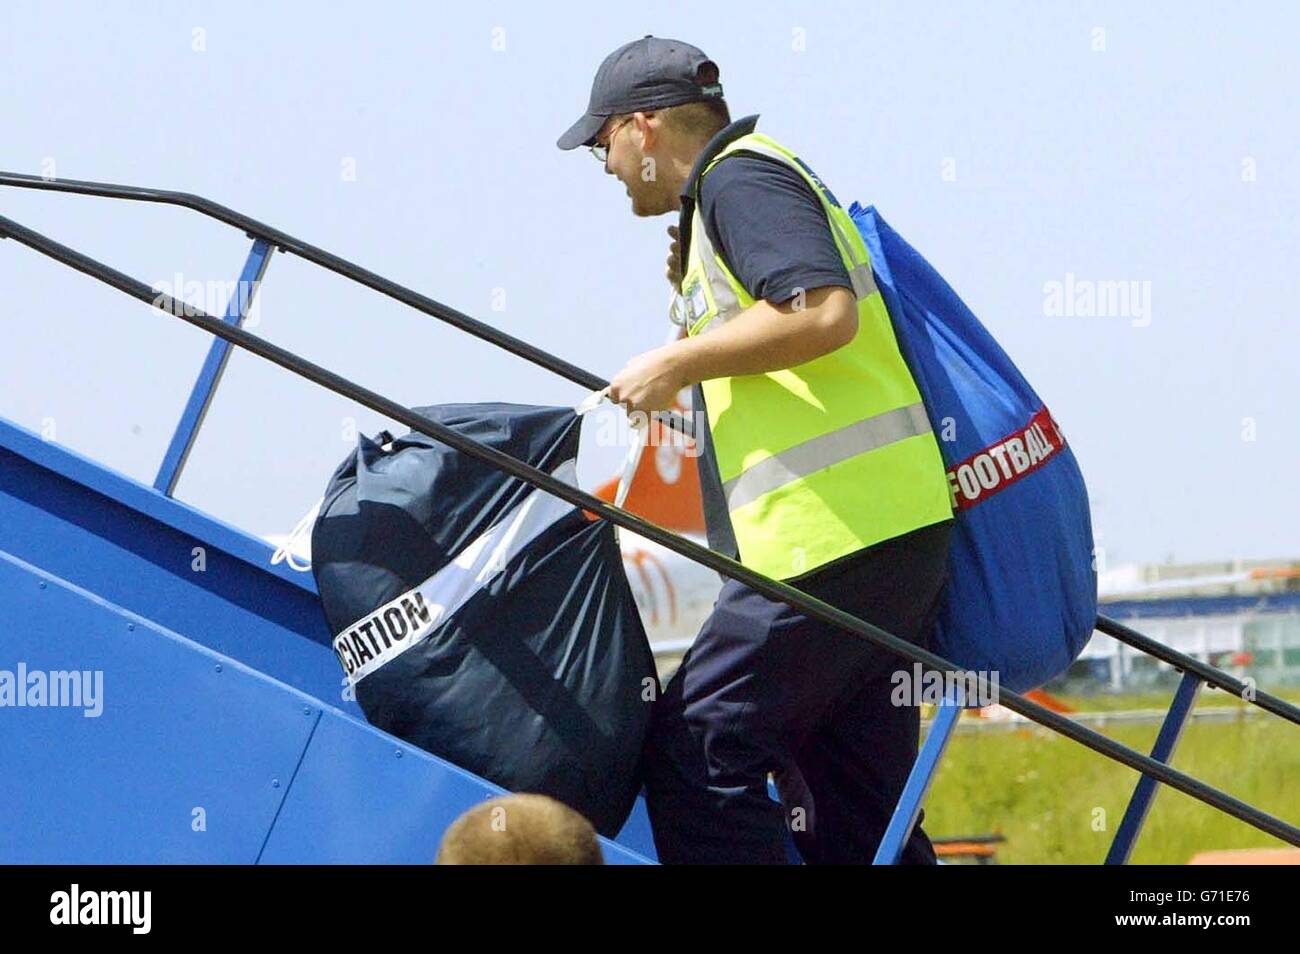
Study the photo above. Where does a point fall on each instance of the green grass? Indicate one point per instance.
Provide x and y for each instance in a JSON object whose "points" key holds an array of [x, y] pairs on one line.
{"points": [[1057, 802]]}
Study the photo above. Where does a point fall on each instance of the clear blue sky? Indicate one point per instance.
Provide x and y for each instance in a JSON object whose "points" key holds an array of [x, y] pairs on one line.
{"points": [[1163, 149]]}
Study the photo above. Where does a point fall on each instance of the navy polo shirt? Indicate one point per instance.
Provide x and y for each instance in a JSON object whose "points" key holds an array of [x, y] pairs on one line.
{"points": [[769, 226]]}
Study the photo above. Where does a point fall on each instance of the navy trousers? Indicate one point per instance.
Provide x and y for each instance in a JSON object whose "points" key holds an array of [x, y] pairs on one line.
{"points": [[766, 688]]}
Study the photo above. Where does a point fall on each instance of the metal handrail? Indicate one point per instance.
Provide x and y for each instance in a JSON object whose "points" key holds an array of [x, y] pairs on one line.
{"points": [[340, 266], [774, 589], [1211, 675], [318, 256]]}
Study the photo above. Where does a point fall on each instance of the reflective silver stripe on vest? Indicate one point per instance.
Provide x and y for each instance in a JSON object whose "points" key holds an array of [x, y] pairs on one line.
{"points": [[820, 452], [724, 297], [864, 283]]}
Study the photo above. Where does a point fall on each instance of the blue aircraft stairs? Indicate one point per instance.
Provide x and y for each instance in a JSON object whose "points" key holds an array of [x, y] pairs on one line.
{"points": [[203, 716]]}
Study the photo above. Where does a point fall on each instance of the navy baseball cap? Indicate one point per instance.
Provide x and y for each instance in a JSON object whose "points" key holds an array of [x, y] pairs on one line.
{"points": [[650, 73]]}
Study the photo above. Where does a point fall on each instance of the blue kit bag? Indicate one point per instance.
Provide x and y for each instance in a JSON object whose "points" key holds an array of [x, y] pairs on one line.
{"points": [[1021, 598]]}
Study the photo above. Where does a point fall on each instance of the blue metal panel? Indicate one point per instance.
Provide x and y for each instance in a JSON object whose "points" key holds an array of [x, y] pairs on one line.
{"points": [[278, 776], [175, 733], [105, 534], [363, 797], [905, 814], [1179, 711], [92, 475], [637, 836], [213, 367], [129, 549]]}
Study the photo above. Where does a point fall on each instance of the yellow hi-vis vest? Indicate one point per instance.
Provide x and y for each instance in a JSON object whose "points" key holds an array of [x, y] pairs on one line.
{"points": [[822, 459]]}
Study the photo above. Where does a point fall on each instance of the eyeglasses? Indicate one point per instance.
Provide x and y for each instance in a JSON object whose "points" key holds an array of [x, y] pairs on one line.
{"points": [[601, 149]]}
